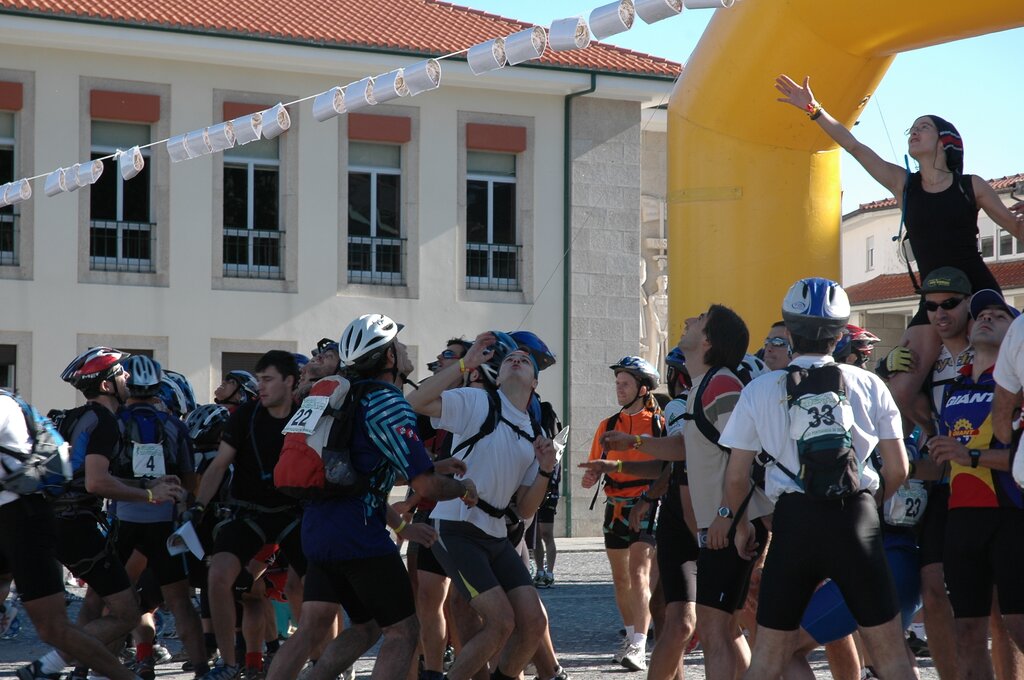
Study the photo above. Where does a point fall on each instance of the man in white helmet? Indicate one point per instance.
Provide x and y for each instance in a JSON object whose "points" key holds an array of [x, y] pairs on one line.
{"points": [[818, 421], [352, 561]]}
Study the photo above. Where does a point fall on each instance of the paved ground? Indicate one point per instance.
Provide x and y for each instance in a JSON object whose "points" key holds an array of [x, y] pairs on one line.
{"points": [[584, 625]]}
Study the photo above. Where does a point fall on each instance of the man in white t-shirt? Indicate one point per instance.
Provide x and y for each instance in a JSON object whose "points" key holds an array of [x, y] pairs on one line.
{"points": [[834, 533], [513, 460]]}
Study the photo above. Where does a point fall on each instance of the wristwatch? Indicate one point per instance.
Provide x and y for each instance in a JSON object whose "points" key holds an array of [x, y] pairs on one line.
{"points": [[975, 457], [725, 512]]}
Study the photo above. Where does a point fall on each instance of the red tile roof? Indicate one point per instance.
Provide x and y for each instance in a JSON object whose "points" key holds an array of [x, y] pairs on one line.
{"points": [[1001, 185], [893, 287], [421, 27]]}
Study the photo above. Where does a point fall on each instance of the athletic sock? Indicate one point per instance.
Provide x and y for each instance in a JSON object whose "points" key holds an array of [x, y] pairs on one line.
{"points": [[254, 660], [51, 662]]}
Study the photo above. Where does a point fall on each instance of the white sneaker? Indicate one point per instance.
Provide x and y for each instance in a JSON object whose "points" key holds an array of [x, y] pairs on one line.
{"points": [[635, 658], [621, 651]]}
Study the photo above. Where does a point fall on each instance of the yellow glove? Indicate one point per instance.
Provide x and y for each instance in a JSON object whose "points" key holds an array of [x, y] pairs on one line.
{"points": [[899, 360]]}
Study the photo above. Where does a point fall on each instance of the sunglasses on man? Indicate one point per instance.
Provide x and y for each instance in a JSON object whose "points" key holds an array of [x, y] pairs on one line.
{"points": [[947, 304], [776, 342]]}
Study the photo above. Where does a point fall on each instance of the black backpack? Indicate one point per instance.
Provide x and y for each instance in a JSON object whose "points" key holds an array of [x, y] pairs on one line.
{"points": [[46, 465], [820, 421]]}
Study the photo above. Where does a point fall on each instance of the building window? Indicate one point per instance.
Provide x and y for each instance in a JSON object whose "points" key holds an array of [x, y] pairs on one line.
{"points": [[8, 217], [870, 252], [121, 231], [987, 246], [493, 255], [376, 249], [1005, 244], [8, 366], [253, 242]]}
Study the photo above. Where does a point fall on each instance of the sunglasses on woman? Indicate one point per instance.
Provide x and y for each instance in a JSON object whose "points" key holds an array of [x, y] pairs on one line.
{"points": [[947, 304]]}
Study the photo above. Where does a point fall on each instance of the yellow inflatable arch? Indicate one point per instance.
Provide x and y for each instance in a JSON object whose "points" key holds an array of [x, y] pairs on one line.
{"points": [[753, 186]]}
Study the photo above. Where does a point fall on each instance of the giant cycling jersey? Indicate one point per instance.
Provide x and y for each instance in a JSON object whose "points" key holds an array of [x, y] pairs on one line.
{"points": [[967, 417], [386, 445]]}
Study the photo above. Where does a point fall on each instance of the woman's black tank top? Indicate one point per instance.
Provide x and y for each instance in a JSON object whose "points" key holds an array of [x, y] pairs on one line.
{"points": [[943, 229]]}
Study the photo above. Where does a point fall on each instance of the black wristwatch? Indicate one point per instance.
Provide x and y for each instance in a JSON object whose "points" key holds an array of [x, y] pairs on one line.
{"points": [[725, 512], [975, 457]]}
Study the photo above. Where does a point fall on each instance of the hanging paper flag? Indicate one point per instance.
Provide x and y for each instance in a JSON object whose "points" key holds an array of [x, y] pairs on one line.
{"points": [[526, 45], [221, 136], [15, 192], [707, 4], [390, 85], [197, 143], [610, 19], [275, 121], [422, 76], [130, 163], [247, 128], [329, 104], [486, 56], [87, 173], [656, 10], [359, 95], [569, 34]]}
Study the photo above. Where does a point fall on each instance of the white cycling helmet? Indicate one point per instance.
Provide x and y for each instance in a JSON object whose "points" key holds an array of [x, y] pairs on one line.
{"points": [[365, 340], [816, 308]]}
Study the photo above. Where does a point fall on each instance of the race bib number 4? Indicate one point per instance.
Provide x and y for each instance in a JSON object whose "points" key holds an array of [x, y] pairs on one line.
{"points": [[148, 460], [305, 419]]}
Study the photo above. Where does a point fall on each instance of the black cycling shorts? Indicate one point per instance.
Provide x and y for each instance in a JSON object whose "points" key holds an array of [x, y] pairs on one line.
{"points": [[150, 540], [677, 559], [724, 577], [246, 534], [369, 589], [28, 540], [89, 554], [984, 548], [814, 540], [617, 534], [931, 532], [475, 561]]}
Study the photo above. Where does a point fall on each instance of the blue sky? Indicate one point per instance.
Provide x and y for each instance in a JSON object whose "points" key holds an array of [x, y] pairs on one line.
{"points": [[976, 84]]}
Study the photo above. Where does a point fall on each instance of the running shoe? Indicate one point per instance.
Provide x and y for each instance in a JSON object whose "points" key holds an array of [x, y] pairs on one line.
{"points": [[34, 671], [222, 672], [635, 658], [621, 651], [918, 646]]}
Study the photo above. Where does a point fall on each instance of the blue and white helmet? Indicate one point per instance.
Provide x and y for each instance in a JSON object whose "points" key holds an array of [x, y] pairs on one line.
{"points": [[640, 369], [816, 308], [143, 375]]}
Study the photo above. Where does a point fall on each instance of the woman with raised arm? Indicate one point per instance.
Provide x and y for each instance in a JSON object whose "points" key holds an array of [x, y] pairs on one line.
{"points": [[940, 210]]}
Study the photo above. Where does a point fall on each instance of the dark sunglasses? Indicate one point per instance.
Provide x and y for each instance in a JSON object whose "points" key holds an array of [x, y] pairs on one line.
{"points": [[448, 354], [947, 304], [776, 342]]}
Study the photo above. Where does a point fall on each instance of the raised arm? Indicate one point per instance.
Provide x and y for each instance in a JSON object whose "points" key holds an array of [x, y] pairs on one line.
{"points": [[889, 175]]}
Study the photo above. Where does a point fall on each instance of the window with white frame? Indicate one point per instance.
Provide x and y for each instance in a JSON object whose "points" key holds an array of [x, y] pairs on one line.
{"points": [[376, 248], [870, 253], [122, 235], [8, 215], [253, 236], [493, 254], [987, 246]]}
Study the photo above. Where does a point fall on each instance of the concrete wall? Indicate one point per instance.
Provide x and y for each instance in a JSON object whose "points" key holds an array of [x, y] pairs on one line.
{"points": [[604, 305]]}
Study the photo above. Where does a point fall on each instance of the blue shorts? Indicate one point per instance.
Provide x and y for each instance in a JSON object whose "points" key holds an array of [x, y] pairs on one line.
{"points": [[827, 618]]}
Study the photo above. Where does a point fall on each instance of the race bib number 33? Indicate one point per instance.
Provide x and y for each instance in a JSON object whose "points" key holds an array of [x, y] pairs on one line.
{"points": [[305, 419]]}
